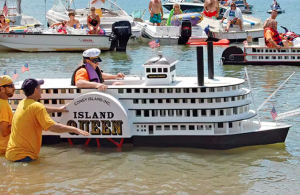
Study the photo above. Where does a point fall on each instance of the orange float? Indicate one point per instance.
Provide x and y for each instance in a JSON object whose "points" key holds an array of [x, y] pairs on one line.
{"points": [[220, 42]]}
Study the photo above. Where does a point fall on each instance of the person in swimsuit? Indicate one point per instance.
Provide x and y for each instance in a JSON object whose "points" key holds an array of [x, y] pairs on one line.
{"points": [[93, 21], [211, 8], [175, 11], [156, 12], [71, 23], [4, 25]]}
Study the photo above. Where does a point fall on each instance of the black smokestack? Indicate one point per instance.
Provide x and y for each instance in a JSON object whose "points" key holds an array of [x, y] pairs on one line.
{"points": [[200, 66], [210, 59]]}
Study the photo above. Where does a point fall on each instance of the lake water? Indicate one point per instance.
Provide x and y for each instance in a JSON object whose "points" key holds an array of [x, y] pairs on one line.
{"points": [[64, 169]]}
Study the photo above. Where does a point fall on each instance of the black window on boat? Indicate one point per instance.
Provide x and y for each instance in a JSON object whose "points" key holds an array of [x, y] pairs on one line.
{"points": [[120, 90], [159, 70], [138, 113], [136, 90], [148, 70]]}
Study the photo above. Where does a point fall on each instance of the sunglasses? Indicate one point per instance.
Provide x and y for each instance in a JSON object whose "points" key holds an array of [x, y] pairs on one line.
{"points": [[10, 86], [233, 6]]}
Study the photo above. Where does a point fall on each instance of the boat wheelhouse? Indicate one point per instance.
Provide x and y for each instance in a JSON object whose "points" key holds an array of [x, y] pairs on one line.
{"points": [[161, 110]]}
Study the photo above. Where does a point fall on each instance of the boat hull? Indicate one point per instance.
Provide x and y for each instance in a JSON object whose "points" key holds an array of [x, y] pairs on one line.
{"points": [[52, 42]]}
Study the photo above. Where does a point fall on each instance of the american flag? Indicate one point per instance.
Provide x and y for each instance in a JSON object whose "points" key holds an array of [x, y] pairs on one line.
{"points": [[5, 9], [154, 44], [274, 113], [25, 67], [15, 75]]}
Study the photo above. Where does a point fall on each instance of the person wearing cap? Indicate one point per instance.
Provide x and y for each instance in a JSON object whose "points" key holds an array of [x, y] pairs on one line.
{"points": [[89, 74], [7, 90], [29, 120]]}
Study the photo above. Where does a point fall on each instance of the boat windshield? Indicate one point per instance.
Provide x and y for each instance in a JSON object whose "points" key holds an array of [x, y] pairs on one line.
{"points": [[61, 5], [112, 7]]}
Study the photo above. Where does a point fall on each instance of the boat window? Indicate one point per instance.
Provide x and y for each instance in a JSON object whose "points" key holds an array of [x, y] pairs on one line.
{"points": [[148, 70], [54, 101], [258, 50], [55, 91], [286, 57], [53, 114], [136, 90], [283, 51], [145, 90], [191, 127], [212, 112], [161, 90], [154, 113], [158, 127], [220, 125], [174, 127], [298, 57], [240, 109], [159, 70], [172, 68], [219, 89], [274, 57], [218, 100], [144, 101], [182, 127], [293, 51], [226, 99], [168, 101], [176, 101], [165, 69], [178, 90], [253, 50], [195, 90], [230, 124], [232, 98], [228, 112], [210, 100], [261, 57], [178, 112], [135, 101], [167, 127], [146, 113], [293, 57], [128, 90], [267, 57], [162, 113], [153, 69], [185, 101], [170, 112], [203, 90], [150, 127], [199, 127], [193, 101], [153, 90], [195, 113], [62, 101], [221, 112], [120, 90], [59, 114], [235, 111], [203, 112], [234, 87], [16, 102], [254, 57], [78, 90], [227, 88], [186, 90], [280, 57], [160, 101], [208, 127], [211, 89], [17, 91], [267, 50], [46, 101], [169, 90], [187, 113], [138, 113], [201, 101]]}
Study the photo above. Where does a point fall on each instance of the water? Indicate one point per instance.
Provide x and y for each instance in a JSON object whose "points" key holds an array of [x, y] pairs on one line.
{"points": [[64, 169]]}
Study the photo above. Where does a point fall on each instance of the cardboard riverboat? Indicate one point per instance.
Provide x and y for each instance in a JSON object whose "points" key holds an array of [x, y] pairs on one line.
{"points": [[261, 55], [161, 109]]}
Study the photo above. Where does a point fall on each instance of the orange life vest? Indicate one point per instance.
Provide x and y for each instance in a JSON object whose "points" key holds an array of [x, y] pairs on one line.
{"points": [[276, 37]]}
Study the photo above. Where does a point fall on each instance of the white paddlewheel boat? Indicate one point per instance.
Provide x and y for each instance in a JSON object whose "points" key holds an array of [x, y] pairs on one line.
{"points": [[160, 110]]}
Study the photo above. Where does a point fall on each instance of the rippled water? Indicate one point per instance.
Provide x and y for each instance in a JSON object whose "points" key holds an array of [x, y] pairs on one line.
{"points": [[64, 169]]}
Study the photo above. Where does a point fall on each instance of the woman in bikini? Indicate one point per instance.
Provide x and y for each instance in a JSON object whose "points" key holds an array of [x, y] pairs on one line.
{"points": [[93, 21], [4, 26]]}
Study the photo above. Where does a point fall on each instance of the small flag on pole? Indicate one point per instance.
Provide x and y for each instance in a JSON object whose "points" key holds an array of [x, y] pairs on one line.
{"points": [[25, 67], [15, 75], [154, 44], [5, 9], [274, 113], [5, 73]]}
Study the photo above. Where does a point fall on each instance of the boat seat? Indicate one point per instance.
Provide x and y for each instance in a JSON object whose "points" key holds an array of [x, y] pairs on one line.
{"points": [[246, 23]]}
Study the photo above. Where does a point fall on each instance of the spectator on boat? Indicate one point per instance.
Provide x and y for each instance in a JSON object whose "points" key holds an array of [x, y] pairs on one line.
{"points": [[156, 12], [4, 25], [211, 8], [7, 90], [175, 11], [89, 74], [98, 5], [93, 21], [246, 4], [73, 23], [274, 14], [233, 16], [29, 120], [272, 36]]}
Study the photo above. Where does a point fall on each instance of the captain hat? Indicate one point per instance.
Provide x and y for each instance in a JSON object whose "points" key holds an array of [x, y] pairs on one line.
{"points": [[92, 54], [5, 79]]}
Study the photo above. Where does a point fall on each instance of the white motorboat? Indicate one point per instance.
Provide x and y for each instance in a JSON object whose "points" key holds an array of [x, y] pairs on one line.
{"points": [[161, 110], [277, 7], [39, 40], [111, 13], [251, 27]]}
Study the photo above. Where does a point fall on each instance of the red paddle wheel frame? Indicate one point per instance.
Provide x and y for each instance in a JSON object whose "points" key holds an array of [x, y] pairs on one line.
{"points": [[119, 145]]}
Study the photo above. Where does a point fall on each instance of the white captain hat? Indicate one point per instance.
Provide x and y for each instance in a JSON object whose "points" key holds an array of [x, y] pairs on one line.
{"points": [[92, 54]]}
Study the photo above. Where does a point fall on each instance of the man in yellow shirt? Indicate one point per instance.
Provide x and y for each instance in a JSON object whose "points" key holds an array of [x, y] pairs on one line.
{"points": [[7, 90], [29, 120]]}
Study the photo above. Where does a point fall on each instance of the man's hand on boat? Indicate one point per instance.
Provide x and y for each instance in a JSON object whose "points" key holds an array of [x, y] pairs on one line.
{"points": [[101, 86]]}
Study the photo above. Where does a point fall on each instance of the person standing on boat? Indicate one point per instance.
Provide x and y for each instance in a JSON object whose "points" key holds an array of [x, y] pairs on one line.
{"points": [[29, 120], [89, 74], [4, 25], [273, 17], [175, 11], [7, 90], [97, 4], [272, 37], [211, 8], [93, 21], [234, 16], [156, 12]]}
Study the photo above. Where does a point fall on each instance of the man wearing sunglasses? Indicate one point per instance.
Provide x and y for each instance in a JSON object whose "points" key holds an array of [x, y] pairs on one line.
{"points": [[7, 90], [89, 74], [234, 16]]}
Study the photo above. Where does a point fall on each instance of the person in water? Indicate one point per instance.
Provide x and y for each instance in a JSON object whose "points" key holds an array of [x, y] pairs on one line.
{"points": [[4, 25], [175, 11], [7, 90], [211, 8], [156, 12], [273, 16], [29, 120], [272, 37], [89, 74], [98, 5], [234, 16], [93, 21], [73, 23]]}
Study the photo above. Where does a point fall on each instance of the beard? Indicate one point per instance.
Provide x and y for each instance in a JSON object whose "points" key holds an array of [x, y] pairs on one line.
{"points": [[9, 94]]}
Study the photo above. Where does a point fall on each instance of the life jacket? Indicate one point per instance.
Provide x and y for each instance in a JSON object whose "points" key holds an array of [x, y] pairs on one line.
{"points": [[94, 75], [276, 37]]}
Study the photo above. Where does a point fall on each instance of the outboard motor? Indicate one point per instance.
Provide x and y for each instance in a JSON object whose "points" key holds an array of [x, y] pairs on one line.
{"points": [[185, 32], [121, 32]]}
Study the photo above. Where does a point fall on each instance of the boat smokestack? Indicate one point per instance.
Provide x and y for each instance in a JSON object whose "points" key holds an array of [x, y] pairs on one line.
{"points": [[200, 66], [210, 59]]}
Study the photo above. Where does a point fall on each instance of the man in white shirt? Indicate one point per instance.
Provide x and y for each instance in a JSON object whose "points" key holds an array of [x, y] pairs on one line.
{"points": [[233, 16], [98, 5]]}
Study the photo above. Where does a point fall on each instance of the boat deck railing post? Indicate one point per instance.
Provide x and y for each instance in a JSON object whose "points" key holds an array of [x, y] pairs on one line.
{"points": [[210, 59], [200, 66]]}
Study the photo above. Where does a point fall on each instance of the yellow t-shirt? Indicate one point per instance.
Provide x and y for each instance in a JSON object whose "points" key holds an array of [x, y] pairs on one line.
{"points": [[28, 123], [6, 115]]}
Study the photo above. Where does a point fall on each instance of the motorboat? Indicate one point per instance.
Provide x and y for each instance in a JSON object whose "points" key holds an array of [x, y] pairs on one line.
{"points": [[40, 40], [160, 110], [111, 13], [215, 29], [16, 19], [276, 7]]}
